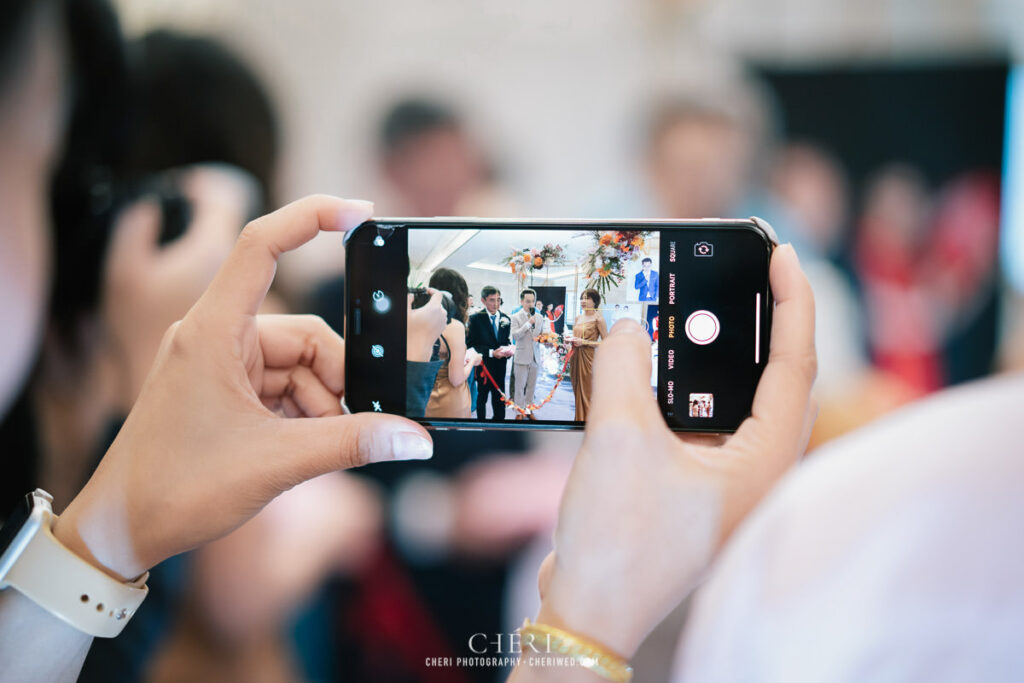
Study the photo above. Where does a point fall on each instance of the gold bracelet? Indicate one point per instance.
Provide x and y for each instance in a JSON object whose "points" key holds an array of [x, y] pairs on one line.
{"points": [[587, 653]]}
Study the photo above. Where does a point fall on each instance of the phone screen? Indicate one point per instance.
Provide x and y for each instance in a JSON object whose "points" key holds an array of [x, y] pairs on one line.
{"points": [[527, 306]]}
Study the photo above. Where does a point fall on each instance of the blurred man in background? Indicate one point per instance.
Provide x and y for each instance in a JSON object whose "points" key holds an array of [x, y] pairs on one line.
{"points": [[701, 151], [432, 165]]}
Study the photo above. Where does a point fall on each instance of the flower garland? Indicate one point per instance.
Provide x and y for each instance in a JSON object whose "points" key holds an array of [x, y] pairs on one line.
{"points": [[523, 262], [605, 264]]}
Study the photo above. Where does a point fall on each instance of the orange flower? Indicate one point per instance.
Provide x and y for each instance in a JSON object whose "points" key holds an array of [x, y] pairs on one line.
{"points": [[606, 238], [538, 262], [638, 241], [526, 258], [512, 267]]}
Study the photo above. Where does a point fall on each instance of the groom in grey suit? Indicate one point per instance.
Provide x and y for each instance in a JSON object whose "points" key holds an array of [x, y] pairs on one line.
{"points": [[527, 324]]}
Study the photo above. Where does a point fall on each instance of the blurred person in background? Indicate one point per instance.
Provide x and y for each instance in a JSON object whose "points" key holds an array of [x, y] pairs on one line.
{"points": [[453, 523], [703, 149], [904, 331], [149, 477], [928, 265], [54, 427], [812, 192], [197, 102], [432, 165], [121, 279], [812, 185], [451, 396], [961, 269]]}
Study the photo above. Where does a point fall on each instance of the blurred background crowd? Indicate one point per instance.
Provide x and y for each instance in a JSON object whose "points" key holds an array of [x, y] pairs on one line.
{"points": [[883, 138]]}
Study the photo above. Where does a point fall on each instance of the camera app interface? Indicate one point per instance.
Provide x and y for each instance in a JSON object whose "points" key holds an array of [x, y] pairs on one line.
{"points": [[502, 325], [526, 310]]}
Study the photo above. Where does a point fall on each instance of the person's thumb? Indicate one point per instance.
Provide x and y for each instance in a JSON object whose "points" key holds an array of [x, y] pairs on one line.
{"points": [[547, 568], [622, 377], [309, 447]]}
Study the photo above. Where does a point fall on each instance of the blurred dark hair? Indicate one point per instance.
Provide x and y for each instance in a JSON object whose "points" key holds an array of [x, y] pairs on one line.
{"points": [[412, 117], [593, 295], [448, 280], [196, 101], [488, 290], [15, 16], [94, 143], [527, 291], [646, 259], [178, 100]]}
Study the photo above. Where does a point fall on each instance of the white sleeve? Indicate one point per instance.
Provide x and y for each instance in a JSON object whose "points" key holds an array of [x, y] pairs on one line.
{"points": [[888, 556]]}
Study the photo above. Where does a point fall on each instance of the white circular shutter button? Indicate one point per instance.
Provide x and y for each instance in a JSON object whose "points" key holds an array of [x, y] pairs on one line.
{"points": [[702, 327]]}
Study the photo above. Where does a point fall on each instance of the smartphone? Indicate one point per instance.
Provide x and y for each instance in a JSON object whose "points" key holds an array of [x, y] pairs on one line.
{"points": [[534, 298]]}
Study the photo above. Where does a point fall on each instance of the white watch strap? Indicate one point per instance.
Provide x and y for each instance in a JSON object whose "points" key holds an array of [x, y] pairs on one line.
{"points": [[67, 586]]}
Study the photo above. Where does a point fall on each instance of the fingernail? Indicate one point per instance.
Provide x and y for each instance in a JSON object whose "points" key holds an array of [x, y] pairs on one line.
{"points": [[789, 247], [411, 446], [362, 205]]}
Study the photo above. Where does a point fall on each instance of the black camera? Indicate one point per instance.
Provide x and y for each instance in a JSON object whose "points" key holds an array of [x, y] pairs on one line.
{"points": [[703, 249], [421, 297]]}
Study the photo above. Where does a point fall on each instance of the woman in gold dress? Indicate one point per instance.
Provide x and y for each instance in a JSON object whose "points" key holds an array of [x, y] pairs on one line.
{"points": [[450, 396], [587, 332]]}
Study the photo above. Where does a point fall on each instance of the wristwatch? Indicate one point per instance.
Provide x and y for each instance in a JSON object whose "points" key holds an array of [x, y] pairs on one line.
{"points": [[36, 564]]}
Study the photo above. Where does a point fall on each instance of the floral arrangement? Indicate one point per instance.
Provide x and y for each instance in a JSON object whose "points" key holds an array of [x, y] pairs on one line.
{"points": [[605, 263], [523, 262], [549, 339]]}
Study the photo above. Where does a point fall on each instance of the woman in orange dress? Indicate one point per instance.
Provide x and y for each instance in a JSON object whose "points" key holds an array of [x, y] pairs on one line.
{"points": [[587, 332]]}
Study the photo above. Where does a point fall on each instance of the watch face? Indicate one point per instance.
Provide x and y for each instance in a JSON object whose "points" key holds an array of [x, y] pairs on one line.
{"points": [[14, 522]]}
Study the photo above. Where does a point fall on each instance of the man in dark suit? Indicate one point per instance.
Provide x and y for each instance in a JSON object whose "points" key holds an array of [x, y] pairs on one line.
{"points": [[488, 332]]}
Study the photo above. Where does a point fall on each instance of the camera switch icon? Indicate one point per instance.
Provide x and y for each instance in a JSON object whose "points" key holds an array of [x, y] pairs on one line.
{"points": [[377, 351], [703, 249]]}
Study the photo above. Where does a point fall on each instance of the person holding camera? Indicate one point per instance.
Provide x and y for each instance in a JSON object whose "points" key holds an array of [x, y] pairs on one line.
{"points": [[450, 396]]}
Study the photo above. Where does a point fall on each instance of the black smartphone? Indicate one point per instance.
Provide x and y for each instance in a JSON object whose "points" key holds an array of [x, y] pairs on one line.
{"points": [[527, 303]]}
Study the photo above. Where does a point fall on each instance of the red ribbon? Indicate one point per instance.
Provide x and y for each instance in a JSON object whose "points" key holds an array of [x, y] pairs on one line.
{"points": [[533, 406]]}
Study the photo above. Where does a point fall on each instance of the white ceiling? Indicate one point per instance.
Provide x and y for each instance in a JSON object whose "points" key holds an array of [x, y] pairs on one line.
{"points": [[479, 257]]}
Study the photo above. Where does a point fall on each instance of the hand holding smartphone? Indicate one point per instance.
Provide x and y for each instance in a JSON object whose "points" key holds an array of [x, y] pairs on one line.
{"points": [[698, 288]]}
